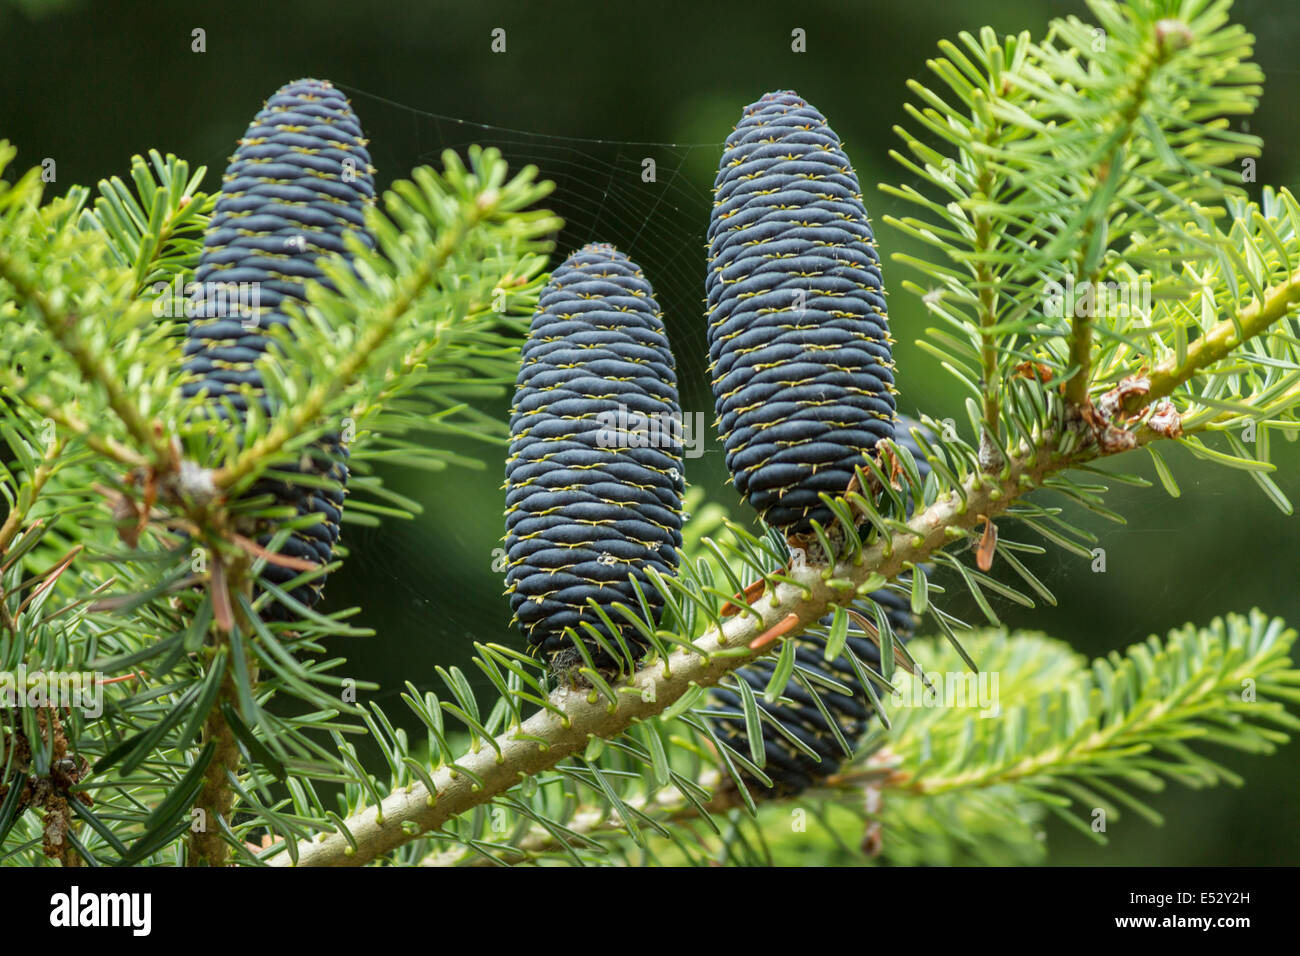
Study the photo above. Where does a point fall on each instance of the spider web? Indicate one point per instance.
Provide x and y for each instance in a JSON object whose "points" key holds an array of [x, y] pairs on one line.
{"points": [[599, 192]]}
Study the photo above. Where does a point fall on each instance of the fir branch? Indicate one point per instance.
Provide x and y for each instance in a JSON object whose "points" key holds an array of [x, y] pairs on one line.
{"points": [[666, 805], [445, 217], [17, 516], [798, 597], [1126, 719], [1105, 178], [105, 446], [1047, 167], [63, 328], [1220, 341], [216, 797], [564, 728], [1081, 730]]}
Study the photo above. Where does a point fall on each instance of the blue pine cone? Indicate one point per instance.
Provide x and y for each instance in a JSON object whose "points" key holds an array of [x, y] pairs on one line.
{"points": [[594, 477], [799, 347], [298, 183]]}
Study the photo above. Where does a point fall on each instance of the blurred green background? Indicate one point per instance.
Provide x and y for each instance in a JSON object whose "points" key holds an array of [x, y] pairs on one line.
{"points": [[588, 91]]}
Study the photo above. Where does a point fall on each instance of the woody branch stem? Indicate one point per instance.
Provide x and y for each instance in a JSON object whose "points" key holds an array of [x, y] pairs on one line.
{"points": [[546, 738]]}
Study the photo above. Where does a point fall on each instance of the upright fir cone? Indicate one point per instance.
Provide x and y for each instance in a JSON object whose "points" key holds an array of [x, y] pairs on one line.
{"points": [[799, 346], [594, 477], [298, 183]]}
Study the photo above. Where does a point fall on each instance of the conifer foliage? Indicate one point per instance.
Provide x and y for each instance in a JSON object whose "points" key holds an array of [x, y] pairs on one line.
{"points": [[172, 483]]}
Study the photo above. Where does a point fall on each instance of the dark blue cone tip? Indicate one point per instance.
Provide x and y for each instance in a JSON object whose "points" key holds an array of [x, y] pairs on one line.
{"points": [[298, 184], [791, 770], [594, 477], [799, 348]]}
